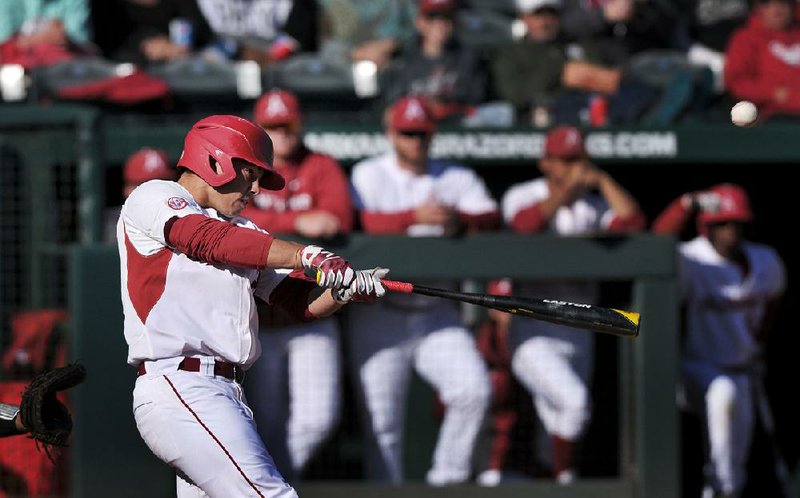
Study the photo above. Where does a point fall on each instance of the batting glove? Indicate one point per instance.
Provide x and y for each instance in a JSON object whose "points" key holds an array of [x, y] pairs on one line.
{"points": [[366, 287], [332, 271]]}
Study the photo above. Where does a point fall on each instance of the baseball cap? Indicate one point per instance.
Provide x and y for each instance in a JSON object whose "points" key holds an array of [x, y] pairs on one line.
{"points": [[148, 164], [275, 108], [411, 114], [564, 141], [534, 5], [499, 287], [438, 6], [733, 204]]}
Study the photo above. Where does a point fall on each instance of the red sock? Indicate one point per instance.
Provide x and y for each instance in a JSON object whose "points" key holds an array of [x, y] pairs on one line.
{"points": [[563, 454]]}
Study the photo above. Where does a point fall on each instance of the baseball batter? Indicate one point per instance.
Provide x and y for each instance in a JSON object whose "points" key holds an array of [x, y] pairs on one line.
{"points": [[731, 288], [405, 192], [190, 269], [554, 362], [295, 388]]}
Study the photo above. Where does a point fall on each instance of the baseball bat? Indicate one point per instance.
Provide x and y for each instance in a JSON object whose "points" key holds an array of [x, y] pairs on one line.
{"points": [[584, 316]]}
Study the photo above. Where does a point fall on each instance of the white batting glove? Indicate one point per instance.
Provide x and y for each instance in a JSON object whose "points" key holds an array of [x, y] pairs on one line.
{"points": [[332, 271], [366, 287]]}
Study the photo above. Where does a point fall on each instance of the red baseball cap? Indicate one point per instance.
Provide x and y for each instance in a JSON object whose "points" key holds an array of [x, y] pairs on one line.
{"points": [[275, 108], [563, 142], [411, 114], [148, 164], [499, 287], [733, 204], [438, 6]]}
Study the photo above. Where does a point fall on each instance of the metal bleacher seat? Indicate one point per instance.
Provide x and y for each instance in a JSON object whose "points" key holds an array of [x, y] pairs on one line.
{"points": [[51, 78]]}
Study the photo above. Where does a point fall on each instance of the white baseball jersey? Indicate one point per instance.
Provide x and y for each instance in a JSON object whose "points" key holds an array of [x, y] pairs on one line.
{"points": [[175, 306], [382, 185], [725, 308], [588, 214]]}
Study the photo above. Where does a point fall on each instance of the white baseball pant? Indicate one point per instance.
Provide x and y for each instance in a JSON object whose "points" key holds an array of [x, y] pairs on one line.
{"points": [[201, 425], [385, 342], [554, 363], [294, 389], [725, 401]]}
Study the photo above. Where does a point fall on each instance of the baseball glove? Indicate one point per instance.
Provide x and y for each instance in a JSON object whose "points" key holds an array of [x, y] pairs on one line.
{"points": [[43, 415]]}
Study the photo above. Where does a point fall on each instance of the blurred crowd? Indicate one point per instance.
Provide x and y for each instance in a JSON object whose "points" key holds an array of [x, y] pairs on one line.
{"points": [[477, 62]]}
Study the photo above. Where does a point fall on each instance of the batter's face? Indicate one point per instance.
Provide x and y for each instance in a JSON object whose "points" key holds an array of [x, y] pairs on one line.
{"points": [[231, 198], [411, 146], [285, 139]]}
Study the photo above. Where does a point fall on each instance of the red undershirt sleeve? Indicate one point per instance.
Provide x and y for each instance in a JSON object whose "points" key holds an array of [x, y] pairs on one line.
{"points": [[375, 222], [529, 220], [213, 241]]}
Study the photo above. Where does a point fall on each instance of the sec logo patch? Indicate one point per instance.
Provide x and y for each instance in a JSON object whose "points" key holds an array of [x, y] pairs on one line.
{"points": [[177, 203]]}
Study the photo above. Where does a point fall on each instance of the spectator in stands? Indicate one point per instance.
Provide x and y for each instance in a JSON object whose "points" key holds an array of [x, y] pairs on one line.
{"points": [[265, 31], [731, 290], [294, 388], [39, 22], [405, 192], [436, 66], [534, 72], [621, 28], [143, 165], [763, 59], [554, 362], [145, 31], [366, 30], [708, 28]]}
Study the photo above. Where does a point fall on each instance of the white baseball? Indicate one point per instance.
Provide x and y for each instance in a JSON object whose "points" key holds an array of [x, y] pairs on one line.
{"points": [[744, 113]]}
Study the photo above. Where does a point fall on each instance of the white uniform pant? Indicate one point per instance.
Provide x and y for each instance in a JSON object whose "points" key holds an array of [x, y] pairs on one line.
{"points": [[294, 389], [201, 425], [725, 401], [554, 363], [385, 343]]}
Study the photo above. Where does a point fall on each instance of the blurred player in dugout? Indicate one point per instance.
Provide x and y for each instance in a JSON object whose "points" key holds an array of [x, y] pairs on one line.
{"points": [[295, 388], [731, 289], [404, 191], [143, 165], [555, 362]]}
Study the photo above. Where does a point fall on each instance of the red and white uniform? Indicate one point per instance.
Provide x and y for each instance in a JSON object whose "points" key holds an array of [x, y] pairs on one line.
{"points": [[555, 362], [177, 306], [725, 309], [314, 182], [303, 356], [401, 332]]}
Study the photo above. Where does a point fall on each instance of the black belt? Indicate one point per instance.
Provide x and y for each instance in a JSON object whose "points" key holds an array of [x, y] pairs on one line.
{"points": [[221, 368]]}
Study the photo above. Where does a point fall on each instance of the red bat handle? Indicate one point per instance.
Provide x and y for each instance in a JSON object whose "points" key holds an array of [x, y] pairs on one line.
{"points": [[396, 286]]}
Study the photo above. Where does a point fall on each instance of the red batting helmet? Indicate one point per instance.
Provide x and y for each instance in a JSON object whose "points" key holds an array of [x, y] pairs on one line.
{"points": [[733, 205], [222, 138]]}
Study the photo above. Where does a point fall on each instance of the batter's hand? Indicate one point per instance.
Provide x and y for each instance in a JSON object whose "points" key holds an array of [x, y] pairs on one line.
{"points": [[333, 272], [366, 287]]}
